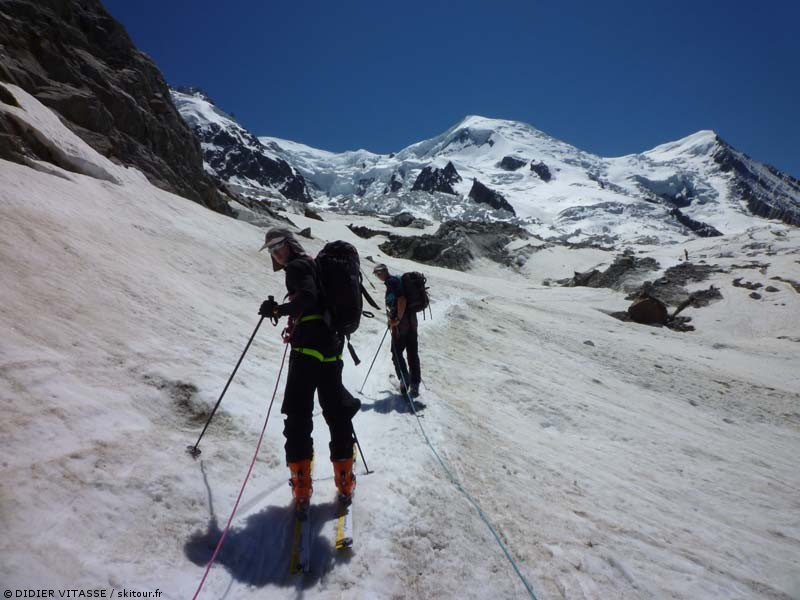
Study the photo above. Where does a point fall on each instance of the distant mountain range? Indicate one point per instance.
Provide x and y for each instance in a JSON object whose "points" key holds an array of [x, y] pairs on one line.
{"points": [[78, 60], [505, 170]]}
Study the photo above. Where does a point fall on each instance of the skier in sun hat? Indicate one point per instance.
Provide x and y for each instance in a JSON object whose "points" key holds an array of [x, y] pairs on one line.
{"points": [[315, 364]]}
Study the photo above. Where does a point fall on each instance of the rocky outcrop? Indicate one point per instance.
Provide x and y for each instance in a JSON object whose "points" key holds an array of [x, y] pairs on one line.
{"points": [[235, 155], [395, 184], [483, 195], [366, 232], [775, 199], [437, 180], [670, 288], [624, 268], [700, 228], [457, 243], [512, 163], [542, 170], [77, 60], [648, 310], [363, 185], [406, 219]]}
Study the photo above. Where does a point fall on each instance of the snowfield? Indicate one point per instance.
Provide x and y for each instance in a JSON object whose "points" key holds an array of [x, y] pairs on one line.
{"points": [[615, 460]]}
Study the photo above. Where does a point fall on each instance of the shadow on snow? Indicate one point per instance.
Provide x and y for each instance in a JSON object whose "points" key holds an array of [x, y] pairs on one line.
{"points": [[258, 553], [392, 402]]}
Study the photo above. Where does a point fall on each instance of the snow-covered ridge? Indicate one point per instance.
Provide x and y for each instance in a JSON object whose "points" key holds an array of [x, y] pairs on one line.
{"points": [[697, 185], [233, 154]]}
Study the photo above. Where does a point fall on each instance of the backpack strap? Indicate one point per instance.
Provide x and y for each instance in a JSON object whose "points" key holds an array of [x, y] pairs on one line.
{"points": [[368, 298], [352, 351]]}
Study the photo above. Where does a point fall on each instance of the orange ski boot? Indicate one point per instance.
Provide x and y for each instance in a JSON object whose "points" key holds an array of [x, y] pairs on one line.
{"points": [[300, 482], [344, 477]]}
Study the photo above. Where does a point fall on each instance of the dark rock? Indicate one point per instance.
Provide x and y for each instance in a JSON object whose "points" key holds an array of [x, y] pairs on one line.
{"points": [[365, 232], [294, 186], [7, 97], [771, 288], [483, 195], [764, 198], [307, 212], [363, 185], [306, 233], [77, 60], [404, 219], [585, 279], [596, 178], [747, 284], [623, 267], [395, 183], [541, 170], [670, 288], [648, 310], [588, 342], [456, 243], [235, 153], [512, 163], [702, 298], [437, 180], [676, 324], [791, 282], [701, 229], [755, 295]]}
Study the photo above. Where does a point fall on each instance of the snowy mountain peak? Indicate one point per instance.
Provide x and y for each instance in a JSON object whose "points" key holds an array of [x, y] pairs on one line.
{"points": [[235, 155], [199, 111], [697, 185], [488, 136], [701, 143], [196, 92]]}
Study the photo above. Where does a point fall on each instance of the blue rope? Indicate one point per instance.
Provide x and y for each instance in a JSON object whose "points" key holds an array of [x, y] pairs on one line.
{"points": [[459, 487]]}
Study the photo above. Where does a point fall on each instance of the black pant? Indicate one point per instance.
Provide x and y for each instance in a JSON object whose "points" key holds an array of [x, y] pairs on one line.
{"points": [[405, 340], [306, 375]]}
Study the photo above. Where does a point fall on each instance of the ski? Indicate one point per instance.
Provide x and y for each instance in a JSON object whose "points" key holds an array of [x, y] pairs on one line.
{"points": [[300, 561], [344, 525]]}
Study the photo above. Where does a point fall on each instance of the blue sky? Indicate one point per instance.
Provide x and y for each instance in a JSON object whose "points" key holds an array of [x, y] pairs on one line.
{"points": [[612, 78]]}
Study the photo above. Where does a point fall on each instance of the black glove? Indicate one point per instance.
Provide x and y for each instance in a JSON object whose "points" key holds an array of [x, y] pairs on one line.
{"points": [[268, 308]]}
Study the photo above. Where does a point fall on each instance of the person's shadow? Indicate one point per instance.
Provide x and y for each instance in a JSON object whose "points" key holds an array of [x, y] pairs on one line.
{"points": [[392, 402], [259, 553]]}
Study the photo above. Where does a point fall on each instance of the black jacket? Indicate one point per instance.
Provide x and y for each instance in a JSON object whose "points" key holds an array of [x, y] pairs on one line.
{"points": [[305, 299]]}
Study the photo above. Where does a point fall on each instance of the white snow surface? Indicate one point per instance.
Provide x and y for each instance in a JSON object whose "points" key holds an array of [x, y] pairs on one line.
{"points": [[615, 460]]}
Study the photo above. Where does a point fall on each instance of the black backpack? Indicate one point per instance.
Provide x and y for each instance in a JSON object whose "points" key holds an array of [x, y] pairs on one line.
{"points": [[416, 291], [339, 271]]}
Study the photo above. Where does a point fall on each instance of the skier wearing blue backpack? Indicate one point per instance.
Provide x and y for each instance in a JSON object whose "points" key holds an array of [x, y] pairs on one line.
{"points": [[402, 319]]}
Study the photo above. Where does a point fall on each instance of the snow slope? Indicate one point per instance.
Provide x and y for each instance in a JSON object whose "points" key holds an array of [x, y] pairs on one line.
{"points": [[615, 460]]}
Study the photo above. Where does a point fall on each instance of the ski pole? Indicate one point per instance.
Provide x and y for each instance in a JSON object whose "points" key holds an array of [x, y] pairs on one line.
{"points": [[361, 452], [194, 451], [373, 361]]}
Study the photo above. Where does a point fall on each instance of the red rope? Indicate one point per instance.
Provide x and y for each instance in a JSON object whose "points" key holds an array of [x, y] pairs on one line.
{"points": [[244, 483]]}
